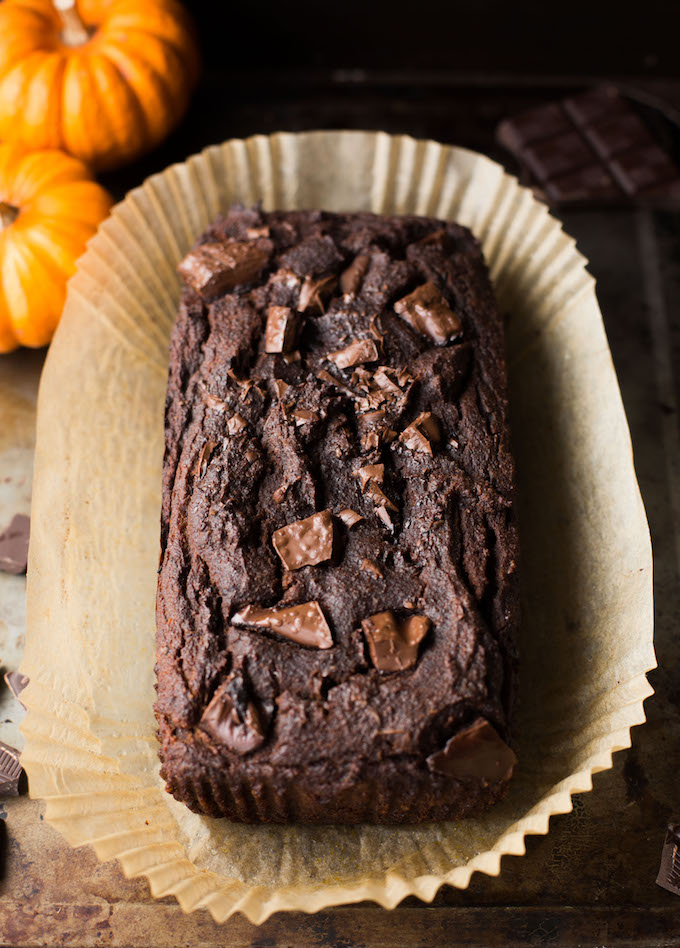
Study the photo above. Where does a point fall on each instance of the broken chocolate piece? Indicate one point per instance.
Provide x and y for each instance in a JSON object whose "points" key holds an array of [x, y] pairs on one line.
{"points": [[282, 328], [350, 517], [14, 545], [475, 753], [10, 771], [352, 277], [16, 682], [331, 379], [232, 718], [420, 434], [669, 870], [213, 401], [382, 513], [378, 496], [280, 387], [305, 542], [394, 646], [370, 566], [216, 268], [371, 472], [357, 352], [204, 457], [370, 441], [382, 380], [314, 293], [304, 416], [426, 311], [304, 624], [235, 424], [247, 384]]}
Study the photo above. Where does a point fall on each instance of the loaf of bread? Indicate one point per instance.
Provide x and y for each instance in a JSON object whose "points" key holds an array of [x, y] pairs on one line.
{"points": [[338, 590]]}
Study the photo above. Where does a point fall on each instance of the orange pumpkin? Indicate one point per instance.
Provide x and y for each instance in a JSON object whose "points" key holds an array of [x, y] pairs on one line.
{"points": [[49, 208], [104, 81]]}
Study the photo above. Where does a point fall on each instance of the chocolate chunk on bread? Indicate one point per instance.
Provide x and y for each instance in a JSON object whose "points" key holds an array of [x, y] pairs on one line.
{"points": [[338, 588]]}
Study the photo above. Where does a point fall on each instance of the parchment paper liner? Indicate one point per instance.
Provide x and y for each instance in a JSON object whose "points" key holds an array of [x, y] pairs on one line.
{"points": [[587, 611]]}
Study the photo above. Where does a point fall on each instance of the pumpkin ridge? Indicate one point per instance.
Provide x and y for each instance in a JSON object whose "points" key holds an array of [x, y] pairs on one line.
{"points": [[134, 99]]}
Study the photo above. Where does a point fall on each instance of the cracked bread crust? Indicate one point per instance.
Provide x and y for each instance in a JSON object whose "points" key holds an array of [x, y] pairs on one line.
{"points": [[256, 441]]}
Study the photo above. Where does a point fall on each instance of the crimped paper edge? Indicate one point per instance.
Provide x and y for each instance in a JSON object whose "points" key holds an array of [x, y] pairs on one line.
{"points": [[400, 166]]}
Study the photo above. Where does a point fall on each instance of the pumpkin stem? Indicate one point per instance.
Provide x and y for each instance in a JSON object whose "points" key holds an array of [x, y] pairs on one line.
{"points": [[73, 30], [8, 214]]}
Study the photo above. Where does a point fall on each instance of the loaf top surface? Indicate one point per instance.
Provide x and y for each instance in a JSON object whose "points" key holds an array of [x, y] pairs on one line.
{"points": [[338, 576]]}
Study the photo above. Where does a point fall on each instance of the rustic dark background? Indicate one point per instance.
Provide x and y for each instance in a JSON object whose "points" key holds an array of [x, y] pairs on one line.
{"points": [[449, 71]]}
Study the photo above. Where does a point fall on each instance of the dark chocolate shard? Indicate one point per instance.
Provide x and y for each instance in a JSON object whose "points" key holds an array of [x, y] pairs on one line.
{"points": [[315, 292], [426, 311], [669, 870], [16, 682], [219, 267], [304, 416], [350, 517], [421, 433], [393, 646], [475, 753], [281, 332], [280, 387], [352, 278], [378, 496], [305, 542], [10, 771], [204, 458], [236, 424], [304, 624], [356, 353], [232, 718], [371, 472], [14, 545]]}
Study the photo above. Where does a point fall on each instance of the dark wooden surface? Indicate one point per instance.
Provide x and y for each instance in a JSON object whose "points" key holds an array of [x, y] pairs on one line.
{"points": [[590, 881]]}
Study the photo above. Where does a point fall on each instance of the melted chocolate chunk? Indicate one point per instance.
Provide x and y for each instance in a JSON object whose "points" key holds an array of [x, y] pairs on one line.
{"points": [[476, 753], [357, 352], [10, 771], [426, 311], [232, 719], [14, 545], [281, 332], [215, 268], [420, 434], [669, 870], [351, 278], [393, 646], [305, 542], [304, 624], [315, 292]]}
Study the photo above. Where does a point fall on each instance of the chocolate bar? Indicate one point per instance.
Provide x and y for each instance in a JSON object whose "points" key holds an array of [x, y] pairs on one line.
{"points": [[592, 147], [669, 871], [14, 545]]}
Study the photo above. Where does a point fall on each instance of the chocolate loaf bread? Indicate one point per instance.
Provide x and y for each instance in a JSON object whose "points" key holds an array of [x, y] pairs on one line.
{"points": [[338, 589]]}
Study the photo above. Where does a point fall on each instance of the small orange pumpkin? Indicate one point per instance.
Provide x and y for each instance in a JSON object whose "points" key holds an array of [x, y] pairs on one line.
{"points": [[104, 81], [49, 208]]}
